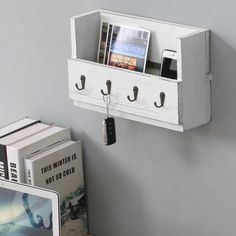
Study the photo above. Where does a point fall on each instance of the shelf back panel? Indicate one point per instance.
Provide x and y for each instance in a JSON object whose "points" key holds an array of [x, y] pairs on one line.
{"points": [[85, 32], [164, 35]]}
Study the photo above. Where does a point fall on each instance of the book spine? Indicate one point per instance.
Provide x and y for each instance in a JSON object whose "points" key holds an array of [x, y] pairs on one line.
{"points": [[3, 162], [108, 44], [13, 165], [28, 172]]}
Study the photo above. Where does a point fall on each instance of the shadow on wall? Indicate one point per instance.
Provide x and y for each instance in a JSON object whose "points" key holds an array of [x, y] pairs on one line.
{"points": [[113, 185], [223, 69], [194, 159], [217, 137]]}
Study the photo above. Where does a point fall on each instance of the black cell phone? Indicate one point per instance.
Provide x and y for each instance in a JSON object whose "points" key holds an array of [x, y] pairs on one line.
{"points": [[169, 64]]}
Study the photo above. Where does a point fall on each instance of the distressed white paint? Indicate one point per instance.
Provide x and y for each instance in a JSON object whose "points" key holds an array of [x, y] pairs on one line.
{"points": [[187, 102]]}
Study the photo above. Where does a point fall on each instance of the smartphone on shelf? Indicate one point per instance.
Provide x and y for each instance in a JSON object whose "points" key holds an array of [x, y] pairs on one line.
{"points": [[169, 64]]}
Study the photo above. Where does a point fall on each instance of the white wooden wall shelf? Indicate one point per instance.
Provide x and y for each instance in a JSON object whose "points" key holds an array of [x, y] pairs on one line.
{"points": [[179, 104]]}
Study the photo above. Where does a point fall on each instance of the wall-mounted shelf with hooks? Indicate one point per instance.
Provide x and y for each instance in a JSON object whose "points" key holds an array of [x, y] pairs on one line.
{"points": [[179, 104]]}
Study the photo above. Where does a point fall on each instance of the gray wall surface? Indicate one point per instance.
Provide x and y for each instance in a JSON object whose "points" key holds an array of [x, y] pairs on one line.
{"points": [[153, 181]]}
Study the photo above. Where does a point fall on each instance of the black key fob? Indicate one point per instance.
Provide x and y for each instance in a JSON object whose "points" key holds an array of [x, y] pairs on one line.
{"points": [[109, 131]]}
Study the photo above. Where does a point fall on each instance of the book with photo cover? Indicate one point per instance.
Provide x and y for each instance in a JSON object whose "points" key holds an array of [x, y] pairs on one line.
{"points": [[61, 169], [129, 47], [23, 214]]}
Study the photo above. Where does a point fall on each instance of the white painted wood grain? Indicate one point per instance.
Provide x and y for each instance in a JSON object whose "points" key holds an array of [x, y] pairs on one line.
{"points": [[163, 35], [187, 103], [129, 116], [85, 36], [196, 86], [122, 85]]}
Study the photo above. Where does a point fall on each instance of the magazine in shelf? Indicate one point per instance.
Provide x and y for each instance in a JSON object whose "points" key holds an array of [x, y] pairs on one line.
{"points": [[102, 42], [108, 45], [123, 47]]}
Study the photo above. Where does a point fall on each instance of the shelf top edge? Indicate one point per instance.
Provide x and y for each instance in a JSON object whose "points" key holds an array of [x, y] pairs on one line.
{"points": [[138, 17]]}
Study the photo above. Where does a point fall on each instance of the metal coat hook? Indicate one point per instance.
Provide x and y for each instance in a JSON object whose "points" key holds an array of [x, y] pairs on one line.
{"points": [[162, 99], [82, 79], [108, 83], [135, 90]]}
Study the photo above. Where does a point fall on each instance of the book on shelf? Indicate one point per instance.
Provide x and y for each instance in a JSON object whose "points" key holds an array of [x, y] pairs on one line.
{"points": [[60, 169], [12, 138], [36, 143], [124, 47]]}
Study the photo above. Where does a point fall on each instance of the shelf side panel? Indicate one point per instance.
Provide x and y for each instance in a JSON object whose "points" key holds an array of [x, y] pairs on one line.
{"points": [[85, 31], [194, 58]]}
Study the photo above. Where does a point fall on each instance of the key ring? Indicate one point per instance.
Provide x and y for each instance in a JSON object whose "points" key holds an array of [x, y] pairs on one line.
{"points": [[107, 101]]}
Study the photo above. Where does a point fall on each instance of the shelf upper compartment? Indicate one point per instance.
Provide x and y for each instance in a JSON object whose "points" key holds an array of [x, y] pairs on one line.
{"points": [[85, 33]]}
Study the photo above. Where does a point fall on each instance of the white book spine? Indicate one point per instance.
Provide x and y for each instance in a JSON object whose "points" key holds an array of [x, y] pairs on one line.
{"points": [[16, 167], [13, 166], [29, 172]]}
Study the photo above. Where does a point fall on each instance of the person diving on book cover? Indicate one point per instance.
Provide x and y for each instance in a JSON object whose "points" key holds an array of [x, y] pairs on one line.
{"points": [[24, 215]]}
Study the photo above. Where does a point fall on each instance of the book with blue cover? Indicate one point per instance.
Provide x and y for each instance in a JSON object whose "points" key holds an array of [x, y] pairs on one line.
{"points": [[23, 214]]}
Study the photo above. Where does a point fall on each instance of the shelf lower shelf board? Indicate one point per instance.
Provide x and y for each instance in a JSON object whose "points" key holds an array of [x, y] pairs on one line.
{"points": [[130, 116]]}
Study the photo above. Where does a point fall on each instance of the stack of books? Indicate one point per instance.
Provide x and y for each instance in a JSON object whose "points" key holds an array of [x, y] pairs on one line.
{"points": [[45, 156]]}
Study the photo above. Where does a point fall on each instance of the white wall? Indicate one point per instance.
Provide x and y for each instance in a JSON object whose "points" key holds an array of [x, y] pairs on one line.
{"points": [[153, 182]]}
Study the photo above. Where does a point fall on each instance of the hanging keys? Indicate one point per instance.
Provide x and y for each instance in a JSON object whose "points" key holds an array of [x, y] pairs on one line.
{"points": [[109, 129]]}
